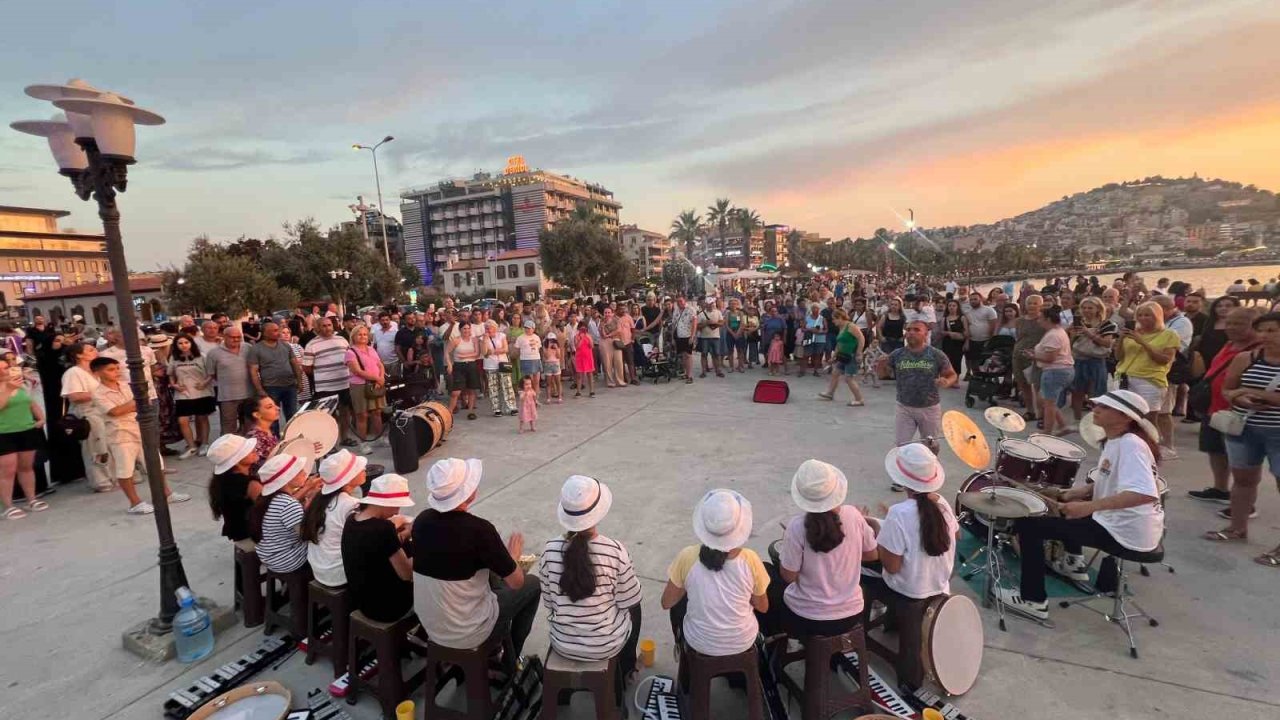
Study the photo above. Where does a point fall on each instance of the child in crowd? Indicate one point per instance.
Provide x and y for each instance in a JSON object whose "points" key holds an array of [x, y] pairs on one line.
{"points": [[869, 360], [528, 404], [798, 352], [777, 355], [584, 361], [551, 368]]}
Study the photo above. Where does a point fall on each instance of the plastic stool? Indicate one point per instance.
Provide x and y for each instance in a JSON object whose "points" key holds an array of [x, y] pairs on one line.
{"points": [[390, 643], [599, 677], [248, 586], [294, 585], [335, 601], [474, 664], [700, 669], [821, 696]]}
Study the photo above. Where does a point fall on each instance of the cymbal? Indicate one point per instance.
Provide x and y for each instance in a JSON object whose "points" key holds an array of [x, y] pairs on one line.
{"points": [[966, 439], [992, 505], [1004, 419], [1090, 432]]}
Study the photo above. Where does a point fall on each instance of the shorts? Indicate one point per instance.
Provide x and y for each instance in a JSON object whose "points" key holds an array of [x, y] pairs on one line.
{"points": [[530, 367], [125, 460], [1091, 376], [550, 368], [1152, 393], [195, 406], [21, 441], [1054, 383], [1254, 445], [343, 395], [684, 346], [361, 404], [849, 368], [739, 343], [1170, 399], [709, 346], [466, 376], [1212, 441]]}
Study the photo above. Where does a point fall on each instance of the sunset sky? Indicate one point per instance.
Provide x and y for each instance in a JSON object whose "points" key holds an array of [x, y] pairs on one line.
{"points": [[829, 115]]}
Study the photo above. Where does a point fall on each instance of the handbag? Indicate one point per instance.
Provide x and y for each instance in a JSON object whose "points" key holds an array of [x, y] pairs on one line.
{"points": [[371, 391], [1200, 395], [1230, 422], [72, 427]]}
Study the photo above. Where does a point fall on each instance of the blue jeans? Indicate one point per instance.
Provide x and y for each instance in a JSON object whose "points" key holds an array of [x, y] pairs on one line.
{"points": [[287, 399], [1091, 376], [1253, 446], [1054, 384]]}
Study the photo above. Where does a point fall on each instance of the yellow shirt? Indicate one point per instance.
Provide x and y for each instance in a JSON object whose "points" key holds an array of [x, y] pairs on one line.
{"points": [[1138, 364]]}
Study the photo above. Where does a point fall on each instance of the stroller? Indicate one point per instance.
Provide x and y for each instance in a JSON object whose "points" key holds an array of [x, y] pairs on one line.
{"points": [[992, 379], [654, 361]]}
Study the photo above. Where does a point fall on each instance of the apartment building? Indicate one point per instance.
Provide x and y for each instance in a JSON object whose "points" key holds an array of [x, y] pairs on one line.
{"points": [[647, 250], [36, 256]]}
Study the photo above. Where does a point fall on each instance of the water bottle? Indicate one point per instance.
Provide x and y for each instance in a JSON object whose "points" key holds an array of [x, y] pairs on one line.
{"points": [[192, 629]]}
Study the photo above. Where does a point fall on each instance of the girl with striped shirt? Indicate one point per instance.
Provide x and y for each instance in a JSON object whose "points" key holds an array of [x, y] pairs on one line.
{"points": [[590, 588], [276, 519]]}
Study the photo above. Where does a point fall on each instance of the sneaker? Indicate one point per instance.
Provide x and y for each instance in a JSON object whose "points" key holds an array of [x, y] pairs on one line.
{"points": [[1168, 453], [204, 450], [142, 508], [178, 497], [188, 454], [365, 448], [897, 488], [1225, 513], [1211, 494], [1071, 567], [1013, 599]]}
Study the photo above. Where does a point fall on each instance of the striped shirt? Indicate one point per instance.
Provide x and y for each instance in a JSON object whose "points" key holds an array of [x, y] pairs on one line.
{"points": [[328, 358], [282, 548], [595, 627], [1259, 376]]}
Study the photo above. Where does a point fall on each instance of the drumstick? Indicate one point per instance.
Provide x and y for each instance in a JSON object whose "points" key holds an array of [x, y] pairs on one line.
{"points": [[1054, 504]]}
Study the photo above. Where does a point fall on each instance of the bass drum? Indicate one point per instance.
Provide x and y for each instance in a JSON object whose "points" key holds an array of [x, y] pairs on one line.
{"points": [[951, 642], [441, 410], [263, 700]]}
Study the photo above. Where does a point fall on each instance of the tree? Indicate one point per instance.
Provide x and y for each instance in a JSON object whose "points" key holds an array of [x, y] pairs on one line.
{"points": [[410, 275], [215, 279], [679, 276], [685, 229], [308, 255], [720, 214], [578, 253], [748, 221]]}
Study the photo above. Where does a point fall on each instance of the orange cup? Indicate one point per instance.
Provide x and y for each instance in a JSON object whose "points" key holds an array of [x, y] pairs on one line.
{"points": [[648, 649]]}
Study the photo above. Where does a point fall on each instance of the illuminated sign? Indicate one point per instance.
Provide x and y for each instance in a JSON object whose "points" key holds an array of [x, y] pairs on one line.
{"points": [[28, 277], [515, 165]]}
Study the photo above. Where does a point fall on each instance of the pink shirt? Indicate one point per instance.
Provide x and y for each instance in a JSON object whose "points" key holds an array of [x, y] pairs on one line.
{"points": [[828, 587], [369, 358], [1056, 343]]}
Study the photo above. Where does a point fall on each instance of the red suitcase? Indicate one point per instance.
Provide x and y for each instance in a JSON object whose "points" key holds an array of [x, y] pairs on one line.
{"points": [[774, 392]]}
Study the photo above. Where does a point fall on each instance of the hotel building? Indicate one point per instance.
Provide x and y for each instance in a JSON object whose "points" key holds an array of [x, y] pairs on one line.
{"points": [[648, 251], [37, 257]]}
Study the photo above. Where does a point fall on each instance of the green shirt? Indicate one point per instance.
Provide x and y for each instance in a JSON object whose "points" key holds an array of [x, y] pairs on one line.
{"points": [[16, 415], [846, 342]]}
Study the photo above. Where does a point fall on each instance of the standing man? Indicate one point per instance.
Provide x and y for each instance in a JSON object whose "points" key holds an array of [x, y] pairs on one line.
{"points": [[275, 372], [684, 323], [709, 321], [228, 365], [325, 357], [920, 370], [982, 326], [209, 337], [383, 337]]}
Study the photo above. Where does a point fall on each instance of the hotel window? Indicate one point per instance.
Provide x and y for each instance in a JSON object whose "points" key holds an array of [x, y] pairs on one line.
{"points": [[94, 265], [500, 273], [513, 271], [13, 265], [26, 265], [82, 267], [530, 270], [53, 265], [40, 265], [457, 280]]}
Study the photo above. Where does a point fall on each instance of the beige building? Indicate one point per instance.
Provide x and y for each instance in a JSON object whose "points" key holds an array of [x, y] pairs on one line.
{"points": [[96, 301], [518, 272], [37, 257], [648, 251]]}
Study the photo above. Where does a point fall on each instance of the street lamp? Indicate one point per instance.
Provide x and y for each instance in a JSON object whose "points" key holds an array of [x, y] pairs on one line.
{"points": [[911, 219], [93, 146], [345, 275], [382, 210]]}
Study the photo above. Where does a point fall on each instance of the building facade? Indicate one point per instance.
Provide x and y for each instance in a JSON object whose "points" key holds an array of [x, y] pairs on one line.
{"points": [[486, 215], [372, 232], [96, 302], [647, 251], [733, 250], [517, 272], [776, 249], [36, 256]]}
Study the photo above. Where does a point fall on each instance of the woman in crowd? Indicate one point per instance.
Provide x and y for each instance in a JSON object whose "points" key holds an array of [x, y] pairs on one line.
{"points": [[378, 571], [78, 384], [864, 319], [751, 332], [736, 337], [497, 370], [815, 339], [21, 435], [1025, 373], [589, 585], [234, 488], [916, 546], [1214, 336], [626, 331], [610, 350], [1091, 341], [713, 588], [341, 474], [814, 580], [1144, 356], [1052, 355], [1253, 389], [461, 358], [890, 326], [257, 415], [1241, 338], [290, 339], [1008, 326], [849, 341], [275, 523], [368, 378], [193, 395], [953, 326], [166, 416]]}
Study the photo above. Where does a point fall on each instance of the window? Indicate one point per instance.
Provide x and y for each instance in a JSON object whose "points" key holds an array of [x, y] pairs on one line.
{"points": [[40, 265], [13, 265], [26, 265], [479, 278], [82, 267], [94, 265], [53, 265], [500, 273], [530, 270], [513, 271], [457, 280]]}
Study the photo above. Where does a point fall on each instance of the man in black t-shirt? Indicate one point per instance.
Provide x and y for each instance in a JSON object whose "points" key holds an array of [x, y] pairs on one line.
{"points": [[652, 315]]}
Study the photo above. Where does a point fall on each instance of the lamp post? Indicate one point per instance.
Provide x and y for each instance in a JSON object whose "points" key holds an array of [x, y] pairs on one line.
{"points": [[344, 275], [93, 146], [382, 210]]}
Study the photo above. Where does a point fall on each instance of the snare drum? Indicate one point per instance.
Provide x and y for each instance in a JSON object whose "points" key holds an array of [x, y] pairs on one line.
{"points": [[977, 524], [317, 426], [1020, 460], [1065, 459], [262, 700], [951, 643]]}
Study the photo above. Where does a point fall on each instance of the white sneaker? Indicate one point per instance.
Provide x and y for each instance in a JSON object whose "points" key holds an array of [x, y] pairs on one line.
{"points": [[1071, 567], [177, 497], [188, 453], [365, 448], [142, 508], [1168, 453], [1013, 598], [204, 450]]}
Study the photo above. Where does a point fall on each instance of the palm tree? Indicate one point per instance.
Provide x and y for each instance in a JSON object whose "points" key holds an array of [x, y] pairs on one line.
{"points": [[720, 215], [747, 221], [685, 228]]}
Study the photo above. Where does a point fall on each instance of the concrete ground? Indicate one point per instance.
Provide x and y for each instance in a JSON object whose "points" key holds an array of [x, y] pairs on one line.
{"points": [[76, 576]]}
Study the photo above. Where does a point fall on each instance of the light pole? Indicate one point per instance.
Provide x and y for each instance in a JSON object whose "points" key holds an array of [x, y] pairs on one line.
{"points": [[94, 147], [345, 275], [382, 210]]}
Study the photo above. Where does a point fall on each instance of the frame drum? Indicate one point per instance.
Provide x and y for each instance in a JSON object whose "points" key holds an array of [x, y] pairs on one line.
{"points": [[952, 643], [263, 700], [317, 426]]}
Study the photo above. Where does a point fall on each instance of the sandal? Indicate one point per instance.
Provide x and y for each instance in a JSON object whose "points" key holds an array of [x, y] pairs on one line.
{"points": [[1225, 536], [1270, 559], [856, 403], [825, 396], [38, 506], [14, 513]]}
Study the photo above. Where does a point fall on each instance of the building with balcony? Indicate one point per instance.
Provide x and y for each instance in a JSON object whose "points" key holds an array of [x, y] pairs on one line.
{"points": [[486, 215], [37, 257], [647, 251], [776, 248], [733, 251], [372, 232]]}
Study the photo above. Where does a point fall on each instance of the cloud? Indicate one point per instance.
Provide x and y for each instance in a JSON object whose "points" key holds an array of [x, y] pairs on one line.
{"points": [[212, 158]]}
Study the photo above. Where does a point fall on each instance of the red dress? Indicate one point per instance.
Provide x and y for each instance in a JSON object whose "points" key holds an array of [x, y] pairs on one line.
{"points": [[583, 359]]}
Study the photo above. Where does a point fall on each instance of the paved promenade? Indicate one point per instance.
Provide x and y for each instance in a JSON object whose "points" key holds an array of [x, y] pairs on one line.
{"points": [[73, 578]]}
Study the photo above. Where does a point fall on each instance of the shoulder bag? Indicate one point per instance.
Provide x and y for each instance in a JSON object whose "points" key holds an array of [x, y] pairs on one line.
{"points": [[1229, 422], [1200, 395], [503, 367], [72, 427], [372, 391]]}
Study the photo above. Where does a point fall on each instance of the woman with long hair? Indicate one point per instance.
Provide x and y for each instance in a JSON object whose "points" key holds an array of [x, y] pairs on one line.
{"points": [[368, 378], [234, 487], [193, 395], [257, 415], [1052, 355], [1008, 325], [849, 343], [1144, 356], [890, 326], [461, 361], [21, 435], [341, 474], [954, 328], [1214, 336], [589, 585], [78, 384], [916, 544], [275, 522], [1091, 341]]}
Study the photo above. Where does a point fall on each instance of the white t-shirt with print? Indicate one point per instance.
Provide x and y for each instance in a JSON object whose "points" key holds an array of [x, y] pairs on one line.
{"points": [[1127, 464], [921, 575]]}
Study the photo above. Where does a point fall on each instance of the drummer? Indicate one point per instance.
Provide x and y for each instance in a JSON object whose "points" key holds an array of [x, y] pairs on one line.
{"points": [[1120, 510], [917, 547]]}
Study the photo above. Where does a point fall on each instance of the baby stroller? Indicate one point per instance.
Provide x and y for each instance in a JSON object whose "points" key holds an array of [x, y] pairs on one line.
{"points": [[992, 379], [654, 361]]}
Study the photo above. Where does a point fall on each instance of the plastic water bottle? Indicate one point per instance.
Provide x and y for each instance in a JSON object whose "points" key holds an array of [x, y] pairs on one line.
{"points": [[192, 629]]}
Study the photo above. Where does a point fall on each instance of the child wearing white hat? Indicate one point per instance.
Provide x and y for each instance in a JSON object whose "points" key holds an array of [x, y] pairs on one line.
{"points": [[713, 588], [234, 487], [341, 475], [378, 572], [276, 520]]}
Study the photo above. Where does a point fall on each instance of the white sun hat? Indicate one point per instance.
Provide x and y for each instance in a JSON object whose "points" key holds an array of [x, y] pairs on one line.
{"points": [[279, 469], [1130, 403], [227, 451], [914, 466], [722, 520], [338, 469], [388, 490], [451, 481], [584, 501], [818, 486]]}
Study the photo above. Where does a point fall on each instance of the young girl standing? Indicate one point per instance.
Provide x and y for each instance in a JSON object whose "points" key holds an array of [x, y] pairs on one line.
{"points": [[777, 355], [551, 368], [528, 404], [584, 361]]}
